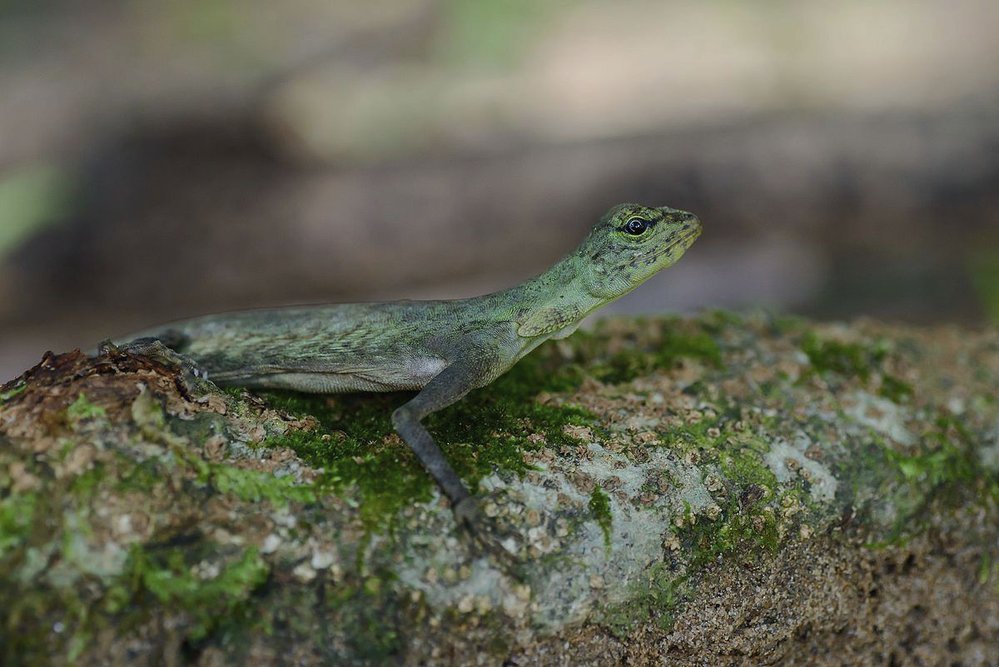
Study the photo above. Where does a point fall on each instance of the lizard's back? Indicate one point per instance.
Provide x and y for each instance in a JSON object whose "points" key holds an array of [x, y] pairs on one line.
{"points": [[337, 348]]}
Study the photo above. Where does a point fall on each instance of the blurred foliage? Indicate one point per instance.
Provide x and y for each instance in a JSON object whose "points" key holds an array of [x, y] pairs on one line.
{"points": [[30, 198], [208, 20], [493, 34], [985, 275]]}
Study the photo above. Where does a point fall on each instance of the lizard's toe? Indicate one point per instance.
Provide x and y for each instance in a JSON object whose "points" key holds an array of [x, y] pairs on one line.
{"points": [[485, 535]]}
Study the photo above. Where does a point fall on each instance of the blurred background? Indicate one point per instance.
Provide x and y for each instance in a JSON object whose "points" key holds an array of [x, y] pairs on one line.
{"points": [[163, 160]]}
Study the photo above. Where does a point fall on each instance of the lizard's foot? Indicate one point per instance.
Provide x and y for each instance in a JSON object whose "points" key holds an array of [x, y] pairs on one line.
{"points": [[485, 536], [192, 380]]}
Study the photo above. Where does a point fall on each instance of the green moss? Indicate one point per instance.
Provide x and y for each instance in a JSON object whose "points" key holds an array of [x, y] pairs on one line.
{"points": [[657, 597], [856, 361], [82, 410], [739, 531], [945, 462], [356, 445], [849, 359], [168, 577], [17, 517], [746, 526], [902, 486], [675, 341], [600, 510], [741, 462], [734, 531], [84, 486], [677, 345], [623, 366], [988, 570], [247, 485], [41, 533], [244, 484], [377, 618], [50, 577], [894, 389], [140, 476], [353, 447], [695, 438], [786, 324], [8, 394], [930, 469], [254, 486], [716, 321]]}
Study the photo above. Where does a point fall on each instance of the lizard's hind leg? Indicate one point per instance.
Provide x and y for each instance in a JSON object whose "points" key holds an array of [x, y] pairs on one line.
{"points": [[190, 376]]}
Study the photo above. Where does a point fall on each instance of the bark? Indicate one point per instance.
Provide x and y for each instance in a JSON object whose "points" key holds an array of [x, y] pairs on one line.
{"points": [[716, 490]]}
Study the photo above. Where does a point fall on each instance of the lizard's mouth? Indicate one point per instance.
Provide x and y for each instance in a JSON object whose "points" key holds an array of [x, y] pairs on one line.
{"points": [[678, 244], [686, 237]]}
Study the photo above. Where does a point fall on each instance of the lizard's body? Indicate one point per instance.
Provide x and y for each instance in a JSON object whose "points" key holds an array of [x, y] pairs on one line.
{"points": [[389, 346], [443, 348]]}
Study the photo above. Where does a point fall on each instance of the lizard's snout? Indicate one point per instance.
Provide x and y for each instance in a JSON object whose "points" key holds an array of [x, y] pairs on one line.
{"points": [[693, 225], [689, 225]]}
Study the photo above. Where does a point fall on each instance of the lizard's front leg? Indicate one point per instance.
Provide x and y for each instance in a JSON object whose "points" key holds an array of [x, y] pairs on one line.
{"points": [[406, 421], [448, 387]]}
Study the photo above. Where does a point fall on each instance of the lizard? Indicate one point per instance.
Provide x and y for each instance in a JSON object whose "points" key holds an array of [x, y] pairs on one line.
{"points": [[442, 349]]}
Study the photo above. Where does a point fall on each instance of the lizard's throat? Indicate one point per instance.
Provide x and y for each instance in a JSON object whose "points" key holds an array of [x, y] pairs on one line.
{"points": [[567, 285]]}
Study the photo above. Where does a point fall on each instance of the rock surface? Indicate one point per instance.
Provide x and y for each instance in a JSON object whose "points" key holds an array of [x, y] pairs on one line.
{"points": [[718, 490]]}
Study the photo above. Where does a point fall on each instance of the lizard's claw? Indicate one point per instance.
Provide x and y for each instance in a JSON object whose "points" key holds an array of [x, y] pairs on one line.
{"points": [[484, 535]]}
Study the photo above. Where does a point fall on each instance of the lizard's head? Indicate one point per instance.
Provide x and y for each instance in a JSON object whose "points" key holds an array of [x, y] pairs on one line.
{"points": [[631, 243]]}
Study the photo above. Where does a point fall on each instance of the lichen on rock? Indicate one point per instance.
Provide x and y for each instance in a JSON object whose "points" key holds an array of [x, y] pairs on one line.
{"points": [[714, 489]]}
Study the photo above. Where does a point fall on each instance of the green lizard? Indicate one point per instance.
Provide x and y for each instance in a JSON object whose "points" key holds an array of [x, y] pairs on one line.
{"points": [[444, 349]]}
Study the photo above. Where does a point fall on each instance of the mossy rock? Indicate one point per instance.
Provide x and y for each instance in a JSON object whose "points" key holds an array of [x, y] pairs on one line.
{"points": [[715, 490]]}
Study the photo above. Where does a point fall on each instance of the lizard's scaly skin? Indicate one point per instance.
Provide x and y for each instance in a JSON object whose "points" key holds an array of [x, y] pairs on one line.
{"points": [[444, 348]]}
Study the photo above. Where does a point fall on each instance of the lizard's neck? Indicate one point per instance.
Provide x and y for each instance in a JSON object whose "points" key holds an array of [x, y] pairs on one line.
{"points": [[565, 287]]}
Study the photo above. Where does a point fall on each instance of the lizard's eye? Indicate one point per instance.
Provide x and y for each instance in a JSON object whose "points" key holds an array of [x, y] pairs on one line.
{"points": [[636, 226]]}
